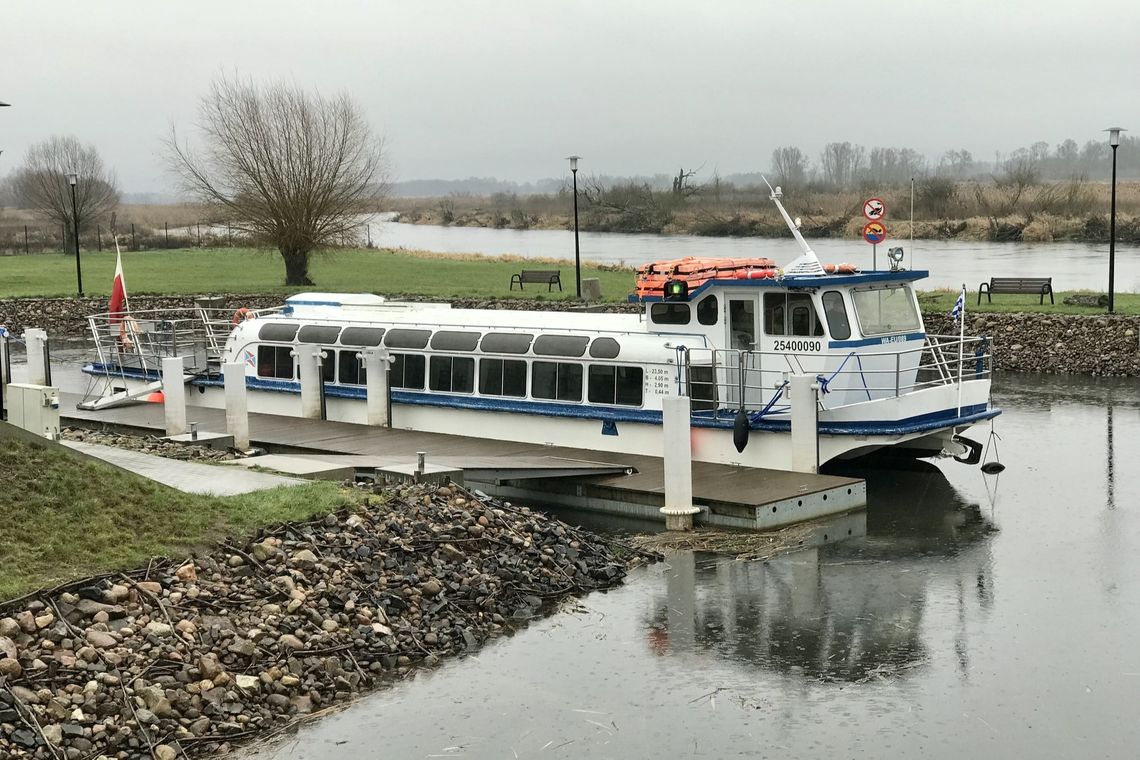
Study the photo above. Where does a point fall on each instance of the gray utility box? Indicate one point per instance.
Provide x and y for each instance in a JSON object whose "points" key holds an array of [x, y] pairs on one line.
{"points": [[34, 408]]}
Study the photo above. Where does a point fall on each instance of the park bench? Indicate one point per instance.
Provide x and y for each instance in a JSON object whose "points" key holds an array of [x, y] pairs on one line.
{"points": [[1034, 285], [548, 277]]}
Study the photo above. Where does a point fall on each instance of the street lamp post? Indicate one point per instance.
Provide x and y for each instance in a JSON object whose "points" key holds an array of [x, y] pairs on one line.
{"points": [[1114, 141], [73, 178], [577, 253]]}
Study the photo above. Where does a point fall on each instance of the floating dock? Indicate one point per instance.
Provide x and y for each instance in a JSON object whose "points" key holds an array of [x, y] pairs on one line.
{"points": [[623, 484]]}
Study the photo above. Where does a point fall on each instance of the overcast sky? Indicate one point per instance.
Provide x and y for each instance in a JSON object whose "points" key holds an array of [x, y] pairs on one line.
{"points": [[507, 89]]}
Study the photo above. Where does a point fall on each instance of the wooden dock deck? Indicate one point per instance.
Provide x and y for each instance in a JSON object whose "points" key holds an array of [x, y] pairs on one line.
{"points": [[630, 485]]}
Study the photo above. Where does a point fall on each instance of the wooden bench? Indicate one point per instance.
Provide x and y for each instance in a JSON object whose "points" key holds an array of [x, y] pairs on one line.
{"points": [[548, 277], [1035, 285]]}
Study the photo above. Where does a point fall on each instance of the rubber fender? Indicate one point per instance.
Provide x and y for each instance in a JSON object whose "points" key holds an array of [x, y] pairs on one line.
{"points": [[975, 448], [740, 429], [992, 468]]}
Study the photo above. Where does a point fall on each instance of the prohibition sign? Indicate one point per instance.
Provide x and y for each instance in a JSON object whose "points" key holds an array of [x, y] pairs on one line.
{"points": [[874, 233], [874, 209]]}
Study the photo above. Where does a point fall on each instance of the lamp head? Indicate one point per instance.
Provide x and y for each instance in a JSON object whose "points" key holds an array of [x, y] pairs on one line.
{"points": [[573, 162], [896, 256], [73, 179], [1114, 135]]}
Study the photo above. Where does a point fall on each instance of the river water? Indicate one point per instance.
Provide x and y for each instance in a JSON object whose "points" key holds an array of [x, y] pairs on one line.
{"points": [[1073, 266], [980, 616]]}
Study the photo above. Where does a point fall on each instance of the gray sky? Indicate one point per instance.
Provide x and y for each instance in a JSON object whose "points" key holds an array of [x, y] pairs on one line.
{"points": [[472, 88]]}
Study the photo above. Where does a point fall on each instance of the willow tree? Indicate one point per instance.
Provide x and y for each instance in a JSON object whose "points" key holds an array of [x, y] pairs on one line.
{"points": [[42, 184], [290, 168]]}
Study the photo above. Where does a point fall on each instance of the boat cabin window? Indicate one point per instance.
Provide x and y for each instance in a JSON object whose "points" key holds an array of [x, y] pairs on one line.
{"points": [[502, 377], [407, 371], [452, 374], [275, 361], [669, 313], [708, 310], [452, 340], [506, 343], [615, 385], [352, 371], [559, 381], [318, 334], [836, 313], [560, 345], [402, 338], [742, 323], [362, 336], [790, 314], [886, 310], [328, 365], [604, 348], [277, 332]]}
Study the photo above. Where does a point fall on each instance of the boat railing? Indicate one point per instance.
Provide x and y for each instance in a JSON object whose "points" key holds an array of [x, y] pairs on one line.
{"points": [[218, 323], [730, 379], [138, 341]]}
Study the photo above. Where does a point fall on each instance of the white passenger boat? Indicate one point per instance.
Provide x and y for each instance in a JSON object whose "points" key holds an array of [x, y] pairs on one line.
{"points": [[729, 337]]}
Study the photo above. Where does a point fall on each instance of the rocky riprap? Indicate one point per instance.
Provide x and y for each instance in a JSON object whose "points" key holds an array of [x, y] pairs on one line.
{"points": [[183, 659], [151, 444], [1060, 344]]}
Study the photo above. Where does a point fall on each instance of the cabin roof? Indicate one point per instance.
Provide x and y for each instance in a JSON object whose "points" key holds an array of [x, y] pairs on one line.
{"points": [[799, 281]]}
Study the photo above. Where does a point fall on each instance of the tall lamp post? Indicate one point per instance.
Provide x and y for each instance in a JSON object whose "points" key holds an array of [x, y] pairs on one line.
{"points": [[577, 254], [1114, 141], [73, 178]]}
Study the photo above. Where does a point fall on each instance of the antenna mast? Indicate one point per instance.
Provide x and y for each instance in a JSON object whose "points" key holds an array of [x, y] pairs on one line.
{"points": [[808, 263]]}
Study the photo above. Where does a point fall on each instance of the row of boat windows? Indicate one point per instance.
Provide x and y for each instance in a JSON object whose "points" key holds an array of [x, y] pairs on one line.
{"points": [[550, 381], [441, 340], [784, 314]]}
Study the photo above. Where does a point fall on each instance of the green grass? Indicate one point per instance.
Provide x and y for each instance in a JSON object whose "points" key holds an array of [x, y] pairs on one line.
{"points": [[935, 301], [67, 517], [244, 270]]}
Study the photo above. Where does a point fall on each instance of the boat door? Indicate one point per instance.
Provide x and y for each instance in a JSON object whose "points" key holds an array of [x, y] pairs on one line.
{"points": [[742, 321]]}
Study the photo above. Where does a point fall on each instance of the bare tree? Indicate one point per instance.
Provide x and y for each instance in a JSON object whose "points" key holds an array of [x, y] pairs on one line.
{"points": [[290, 168], [841, 163], [42, 185], [790, 166]]}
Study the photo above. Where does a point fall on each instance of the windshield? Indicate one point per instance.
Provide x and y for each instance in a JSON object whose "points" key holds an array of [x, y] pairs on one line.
{"points": [[886, 310]]}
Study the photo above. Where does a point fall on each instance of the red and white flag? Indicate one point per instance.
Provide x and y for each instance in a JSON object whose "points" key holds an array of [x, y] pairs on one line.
{"points": [[118, 304]]}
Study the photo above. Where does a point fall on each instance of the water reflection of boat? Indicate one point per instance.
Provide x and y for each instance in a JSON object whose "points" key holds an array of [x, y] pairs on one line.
{"points": [[849, 611]]}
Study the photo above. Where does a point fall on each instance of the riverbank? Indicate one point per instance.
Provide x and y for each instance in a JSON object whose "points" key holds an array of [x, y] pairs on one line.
{"points": [[187, 656]]}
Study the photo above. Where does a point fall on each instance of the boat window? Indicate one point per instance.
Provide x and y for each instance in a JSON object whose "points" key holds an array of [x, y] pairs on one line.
{"points": [[506, 343], [318, 334], [452, 340], [279, 332], [328, 365], [352, 371], [560, 345], [742, 323], [561, 381], [362, 336], [615, 385], [275, 361], [886, 310], [402, 338], [407, 371], [670, 313], [790, 314], [502, 377], [836, 313], [452, 374], [708, 310], [604, 348]]}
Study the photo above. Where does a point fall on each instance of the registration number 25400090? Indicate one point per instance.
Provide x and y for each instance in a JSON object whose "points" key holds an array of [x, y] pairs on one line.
{"points": [[797, 345]]}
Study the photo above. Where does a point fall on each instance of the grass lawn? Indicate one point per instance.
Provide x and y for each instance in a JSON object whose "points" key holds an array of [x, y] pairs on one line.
{"points": [[244, 270], [934, 301], [67, 517]]}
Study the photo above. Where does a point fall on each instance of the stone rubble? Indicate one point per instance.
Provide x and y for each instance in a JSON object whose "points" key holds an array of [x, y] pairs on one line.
{"points": [[184, 659], [150, 444]]}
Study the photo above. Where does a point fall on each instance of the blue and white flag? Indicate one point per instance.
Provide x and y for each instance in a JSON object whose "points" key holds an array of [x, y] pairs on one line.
{"points": [[959, 306]]}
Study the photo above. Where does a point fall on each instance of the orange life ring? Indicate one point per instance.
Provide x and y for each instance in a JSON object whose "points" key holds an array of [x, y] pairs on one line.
{"points": [[757, 274], [243, 314], [841, 269]]}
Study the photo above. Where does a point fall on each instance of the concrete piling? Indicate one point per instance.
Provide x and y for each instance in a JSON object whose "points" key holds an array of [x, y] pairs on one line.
{"points": [[678, 462], [237, 406], [309, 364], [174, 395], [376, 361], [35, 340], [804, 397]]}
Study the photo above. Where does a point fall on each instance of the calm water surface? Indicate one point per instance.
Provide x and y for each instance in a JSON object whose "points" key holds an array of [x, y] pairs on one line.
{"points": [[981, 616], [951, 263]]}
